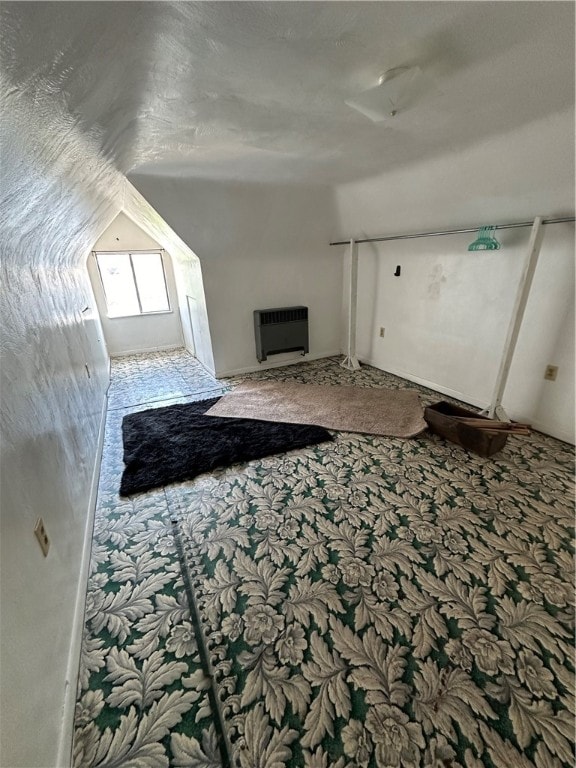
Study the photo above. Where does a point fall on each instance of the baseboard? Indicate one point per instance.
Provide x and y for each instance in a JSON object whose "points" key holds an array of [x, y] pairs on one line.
{"points": [[559, 434], [206, 368], [147, 350], [266, 366], [456, 394], [73, 668]]}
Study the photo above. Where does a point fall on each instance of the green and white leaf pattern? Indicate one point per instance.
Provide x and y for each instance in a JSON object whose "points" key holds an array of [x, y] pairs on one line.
{"points": [[371, 602], [188, 752]]}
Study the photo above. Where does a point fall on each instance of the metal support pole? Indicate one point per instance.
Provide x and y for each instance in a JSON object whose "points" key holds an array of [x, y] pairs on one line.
{"points": [[495, 409], [351, 361]]}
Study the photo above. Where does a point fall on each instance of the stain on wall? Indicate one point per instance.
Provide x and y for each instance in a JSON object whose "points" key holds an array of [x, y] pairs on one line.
{"points": [[436, 278]]}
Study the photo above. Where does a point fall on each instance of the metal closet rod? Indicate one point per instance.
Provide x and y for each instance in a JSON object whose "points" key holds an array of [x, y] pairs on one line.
{"points": [[452, 231], [134, 250]]}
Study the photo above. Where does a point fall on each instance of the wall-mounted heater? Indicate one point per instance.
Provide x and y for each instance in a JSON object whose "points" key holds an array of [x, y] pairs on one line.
{"points": [[283, 329]]}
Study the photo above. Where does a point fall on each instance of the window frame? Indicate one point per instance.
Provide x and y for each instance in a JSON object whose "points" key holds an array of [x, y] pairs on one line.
{"points": [[130, 254]]}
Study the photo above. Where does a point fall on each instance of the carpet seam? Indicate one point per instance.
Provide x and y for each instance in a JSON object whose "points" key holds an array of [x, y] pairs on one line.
{"points": [[225, 749]]}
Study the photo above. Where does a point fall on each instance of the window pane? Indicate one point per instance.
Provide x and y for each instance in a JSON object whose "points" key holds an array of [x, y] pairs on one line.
{"points": [[150, 281], [118, 282]]}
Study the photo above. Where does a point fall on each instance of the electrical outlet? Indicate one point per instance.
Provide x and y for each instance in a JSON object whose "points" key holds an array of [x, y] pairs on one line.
{"points": [[42, 536], [551, 372], [381, 333]]}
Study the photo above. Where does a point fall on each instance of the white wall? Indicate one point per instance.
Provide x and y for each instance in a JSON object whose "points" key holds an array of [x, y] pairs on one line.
{"points": [[447, 315], [56, 199], [260, 246], [54, 205], [547, 338], [188, 272], [556, 404], [142, 333]]}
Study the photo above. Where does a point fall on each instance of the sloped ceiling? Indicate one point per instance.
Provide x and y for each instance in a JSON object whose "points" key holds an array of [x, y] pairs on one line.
{"points": [[256, 91]]}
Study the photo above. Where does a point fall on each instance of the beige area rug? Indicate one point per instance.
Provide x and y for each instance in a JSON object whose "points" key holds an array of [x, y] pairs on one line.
{"points": [[391, 412]]}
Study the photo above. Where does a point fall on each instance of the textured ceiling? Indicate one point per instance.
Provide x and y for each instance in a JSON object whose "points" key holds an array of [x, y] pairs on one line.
{"points": [[256, 91]]}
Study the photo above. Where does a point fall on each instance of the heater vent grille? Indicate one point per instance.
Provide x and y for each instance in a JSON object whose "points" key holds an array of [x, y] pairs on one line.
{"points": [[284, 315], [282, 329]]}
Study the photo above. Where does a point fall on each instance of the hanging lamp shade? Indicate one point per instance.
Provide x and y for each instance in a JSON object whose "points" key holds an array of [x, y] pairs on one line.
{"points": [[485, 241]]}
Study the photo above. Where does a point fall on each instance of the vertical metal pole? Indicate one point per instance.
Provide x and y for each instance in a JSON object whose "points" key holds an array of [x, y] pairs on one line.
{"points": [[351, 361], [536, 235]]}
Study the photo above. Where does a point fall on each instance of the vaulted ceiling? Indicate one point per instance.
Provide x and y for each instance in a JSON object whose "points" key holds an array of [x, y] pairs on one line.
{"points": [[257, 91]]}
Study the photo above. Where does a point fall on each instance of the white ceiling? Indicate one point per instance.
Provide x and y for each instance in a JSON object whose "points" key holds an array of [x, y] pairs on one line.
{"points": [[256, 91]]}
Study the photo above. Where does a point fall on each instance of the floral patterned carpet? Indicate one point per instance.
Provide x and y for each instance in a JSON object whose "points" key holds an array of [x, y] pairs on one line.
{"points": [[372, 602]]}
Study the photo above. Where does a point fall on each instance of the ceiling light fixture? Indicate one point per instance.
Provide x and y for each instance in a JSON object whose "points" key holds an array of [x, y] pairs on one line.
{"points": [[383, 100]]}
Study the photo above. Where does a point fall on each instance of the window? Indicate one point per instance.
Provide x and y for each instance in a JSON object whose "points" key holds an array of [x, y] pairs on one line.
{"points": [[134, 283]]}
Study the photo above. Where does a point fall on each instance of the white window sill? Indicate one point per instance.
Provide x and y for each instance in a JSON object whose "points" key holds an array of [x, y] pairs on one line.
{"points": [[140, 314]]}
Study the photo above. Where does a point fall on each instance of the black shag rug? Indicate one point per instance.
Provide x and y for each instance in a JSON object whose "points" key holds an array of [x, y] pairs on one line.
{"points": [[169, 445]]}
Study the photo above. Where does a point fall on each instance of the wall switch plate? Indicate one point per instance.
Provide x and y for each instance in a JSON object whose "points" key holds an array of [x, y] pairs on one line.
{"points": [[42, 536], [381, 333], [551, 372]]}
